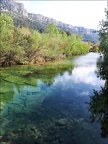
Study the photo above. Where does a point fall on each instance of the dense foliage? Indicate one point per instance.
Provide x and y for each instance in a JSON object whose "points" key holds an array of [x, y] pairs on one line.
{"points": [[24, 45], [98, 105]]}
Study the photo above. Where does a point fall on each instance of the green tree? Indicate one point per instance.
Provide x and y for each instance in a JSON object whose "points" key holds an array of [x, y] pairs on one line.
{"points": [[52, 30], [98, 105], [10, 42], [103, 32], [6, 30]]}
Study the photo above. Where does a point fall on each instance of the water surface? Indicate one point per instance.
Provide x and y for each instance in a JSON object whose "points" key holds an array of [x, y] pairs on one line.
{"points": [[55, 112]]}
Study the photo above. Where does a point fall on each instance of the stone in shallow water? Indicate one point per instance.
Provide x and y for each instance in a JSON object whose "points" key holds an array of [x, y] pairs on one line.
{"points": [[61, 122]]}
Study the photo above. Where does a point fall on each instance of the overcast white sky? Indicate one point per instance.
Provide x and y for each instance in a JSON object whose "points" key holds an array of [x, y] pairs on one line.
{"points": [[77, 13]]}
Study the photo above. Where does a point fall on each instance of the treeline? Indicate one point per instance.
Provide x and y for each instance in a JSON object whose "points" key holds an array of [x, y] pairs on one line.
{"points": [[27, 46]]}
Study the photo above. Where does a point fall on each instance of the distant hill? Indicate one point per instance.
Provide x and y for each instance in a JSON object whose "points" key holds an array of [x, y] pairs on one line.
{"points": [[36, 21]]}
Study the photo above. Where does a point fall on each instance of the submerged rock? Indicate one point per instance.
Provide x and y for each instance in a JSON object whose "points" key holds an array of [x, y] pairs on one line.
{"points": [[61, 122]]}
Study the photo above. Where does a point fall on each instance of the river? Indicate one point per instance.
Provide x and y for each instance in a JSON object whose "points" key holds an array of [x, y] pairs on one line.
{"points": [[55, 112]]}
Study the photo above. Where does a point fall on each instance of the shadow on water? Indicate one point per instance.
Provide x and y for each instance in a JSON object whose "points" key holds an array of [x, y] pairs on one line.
{"points": [[98, 105], [53, 110]]}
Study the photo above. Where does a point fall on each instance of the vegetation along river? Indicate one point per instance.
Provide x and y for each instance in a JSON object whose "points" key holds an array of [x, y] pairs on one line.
{"points": [[50, 106]]}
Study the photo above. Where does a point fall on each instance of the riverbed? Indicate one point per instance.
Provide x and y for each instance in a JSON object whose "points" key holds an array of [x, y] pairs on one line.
{"points": [[53, 110]]}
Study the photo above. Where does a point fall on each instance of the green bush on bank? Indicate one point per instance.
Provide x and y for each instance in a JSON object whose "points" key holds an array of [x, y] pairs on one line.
{"points": [[27, 46]]}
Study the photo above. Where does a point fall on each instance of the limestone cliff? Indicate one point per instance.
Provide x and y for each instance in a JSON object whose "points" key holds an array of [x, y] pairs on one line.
{"points": [[18, 9], [14, 7]]}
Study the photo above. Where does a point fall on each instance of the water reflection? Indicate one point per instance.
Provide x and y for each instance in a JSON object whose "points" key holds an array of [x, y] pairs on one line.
{"points": [[83, 77], [98, 105], [54, 113]]}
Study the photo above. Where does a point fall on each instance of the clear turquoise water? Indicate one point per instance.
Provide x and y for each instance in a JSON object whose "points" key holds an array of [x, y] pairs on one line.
{"points": [[56, 112]]}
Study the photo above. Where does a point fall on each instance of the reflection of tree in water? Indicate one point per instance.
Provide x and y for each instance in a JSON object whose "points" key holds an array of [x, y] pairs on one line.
{"points": [[98, 105]]}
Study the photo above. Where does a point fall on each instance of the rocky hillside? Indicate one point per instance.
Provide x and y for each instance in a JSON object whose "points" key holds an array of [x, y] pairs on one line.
{"points": [[13, 7], [37, 21]]}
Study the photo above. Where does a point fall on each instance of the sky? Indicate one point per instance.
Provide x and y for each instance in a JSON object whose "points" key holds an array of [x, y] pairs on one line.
{"points": [[77, 13]]}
